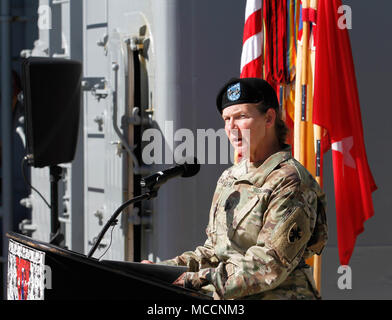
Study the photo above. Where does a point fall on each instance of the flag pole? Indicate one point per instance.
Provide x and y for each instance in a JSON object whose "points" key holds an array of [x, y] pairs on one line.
{"points": [[303, 118], [305, 46], [318, 176], [317, 259]]}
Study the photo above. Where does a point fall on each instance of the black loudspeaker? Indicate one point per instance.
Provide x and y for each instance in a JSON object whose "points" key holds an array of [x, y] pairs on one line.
{"points": [[52, 102]]}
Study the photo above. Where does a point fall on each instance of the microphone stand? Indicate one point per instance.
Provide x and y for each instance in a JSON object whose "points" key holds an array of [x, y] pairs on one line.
{"points": [[113, 219], [56, 237]]}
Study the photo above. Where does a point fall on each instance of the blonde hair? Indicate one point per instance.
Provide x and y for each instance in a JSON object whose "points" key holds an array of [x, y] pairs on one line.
{"points": [[281, 129]]}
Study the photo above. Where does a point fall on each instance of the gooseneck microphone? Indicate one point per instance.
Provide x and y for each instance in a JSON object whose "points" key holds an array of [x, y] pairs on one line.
{"points": [[154, 181]]}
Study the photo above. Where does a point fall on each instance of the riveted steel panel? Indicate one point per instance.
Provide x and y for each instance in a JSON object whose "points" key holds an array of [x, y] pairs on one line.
{"points": [[40, 215], [95, 211], [95, 55], [95, 150], [95, 114], [95, 11]]}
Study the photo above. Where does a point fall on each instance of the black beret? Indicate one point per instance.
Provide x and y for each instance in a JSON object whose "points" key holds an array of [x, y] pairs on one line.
{"points": [[247, 90]]}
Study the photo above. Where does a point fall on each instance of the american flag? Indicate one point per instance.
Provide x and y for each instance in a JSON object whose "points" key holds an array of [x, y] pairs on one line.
{"points": [[251, 59]]}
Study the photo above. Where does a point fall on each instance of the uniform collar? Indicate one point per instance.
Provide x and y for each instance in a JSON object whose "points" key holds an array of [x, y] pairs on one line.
{"points": [[259, 171]]}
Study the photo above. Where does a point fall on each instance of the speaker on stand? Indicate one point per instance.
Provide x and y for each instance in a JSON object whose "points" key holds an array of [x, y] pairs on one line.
{"points": [[52, 102]]}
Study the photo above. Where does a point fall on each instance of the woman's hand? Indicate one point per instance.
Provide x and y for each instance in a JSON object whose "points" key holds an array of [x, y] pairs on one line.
{"points": [[147, 262], [180, 280]]}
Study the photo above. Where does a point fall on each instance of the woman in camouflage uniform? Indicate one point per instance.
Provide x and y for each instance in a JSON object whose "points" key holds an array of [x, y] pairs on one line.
{"points": [[267, 214]]}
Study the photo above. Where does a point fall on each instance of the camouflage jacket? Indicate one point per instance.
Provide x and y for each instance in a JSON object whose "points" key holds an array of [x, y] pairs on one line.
{"points": [[264, 221]]}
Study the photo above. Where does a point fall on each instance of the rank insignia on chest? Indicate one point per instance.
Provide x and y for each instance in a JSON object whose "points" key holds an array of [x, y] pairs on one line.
{"points": [[226, 183]]}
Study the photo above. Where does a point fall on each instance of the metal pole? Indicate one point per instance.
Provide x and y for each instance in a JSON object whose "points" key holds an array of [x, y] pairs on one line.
{"points": [[6, 126], [56, 237]]}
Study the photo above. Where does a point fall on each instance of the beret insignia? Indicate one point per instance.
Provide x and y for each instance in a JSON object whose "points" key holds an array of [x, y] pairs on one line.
{"points": [[234, 92]]}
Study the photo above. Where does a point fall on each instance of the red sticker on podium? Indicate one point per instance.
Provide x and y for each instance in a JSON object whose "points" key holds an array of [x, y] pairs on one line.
{"points": [[26, 272]]}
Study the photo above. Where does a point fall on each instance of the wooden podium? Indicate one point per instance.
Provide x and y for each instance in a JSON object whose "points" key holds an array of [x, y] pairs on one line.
{"points": [[38, 270]]}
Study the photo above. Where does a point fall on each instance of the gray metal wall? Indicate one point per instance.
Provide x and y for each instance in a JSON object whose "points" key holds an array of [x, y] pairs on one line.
{"points": [[103, 164], [61, 37], [203, 45]]}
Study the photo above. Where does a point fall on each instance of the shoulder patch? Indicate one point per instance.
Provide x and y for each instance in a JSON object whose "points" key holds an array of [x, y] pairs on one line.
{"points": [[291, 235]]}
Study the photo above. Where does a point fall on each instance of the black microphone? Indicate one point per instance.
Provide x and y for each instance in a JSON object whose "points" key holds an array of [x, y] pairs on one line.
{"points": [[188, 169]]}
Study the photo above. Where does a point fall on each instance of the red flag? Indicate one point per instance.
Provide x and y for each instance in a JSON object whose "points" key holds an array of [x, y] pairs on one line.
{"points": [[337, 109]]}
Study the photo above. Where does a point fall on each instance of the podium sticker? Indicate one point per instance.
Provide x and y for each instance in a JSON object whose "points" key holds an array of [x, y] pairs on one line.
{"points": [[26, 272]]}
